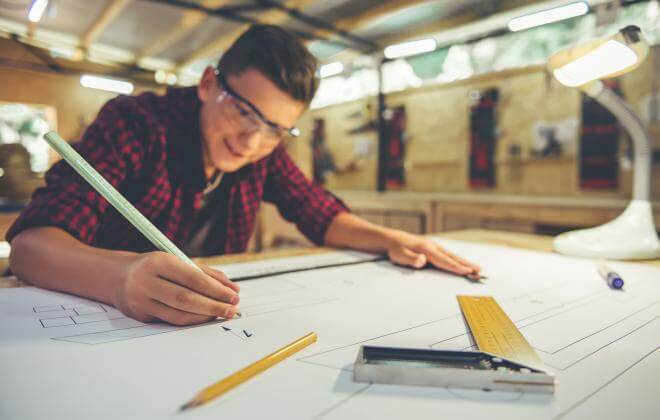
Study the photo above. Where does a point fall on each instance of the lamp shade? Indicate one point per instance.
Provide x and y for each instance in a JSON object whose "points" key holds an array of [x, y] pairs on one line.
{"points": [[603, 58]]}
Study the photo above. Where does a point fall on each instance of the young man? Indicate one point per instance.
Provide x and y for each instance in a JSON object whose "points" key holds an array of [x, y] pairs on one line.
{"points": [[196, 162]]}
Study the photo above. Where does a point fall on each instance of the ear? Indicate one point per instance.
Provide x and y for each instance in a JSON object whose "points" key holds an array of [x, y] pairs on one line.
{"points": [[207, 84]]}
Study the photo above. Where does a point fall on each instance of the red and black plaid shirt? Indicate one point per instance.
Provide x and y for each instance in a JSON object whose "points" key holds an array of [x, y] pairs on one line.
{"points": [[148, 147]]}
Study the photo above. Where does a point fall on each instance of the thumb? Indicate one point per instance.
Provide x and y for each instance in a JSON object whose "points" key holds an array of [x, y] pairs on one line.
{"points": [[405, 256]]}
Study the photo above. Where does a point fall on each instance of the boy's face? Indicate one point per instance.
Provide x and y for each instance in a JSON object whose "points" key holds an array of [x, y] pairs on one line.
{"points": [[233, 132]]}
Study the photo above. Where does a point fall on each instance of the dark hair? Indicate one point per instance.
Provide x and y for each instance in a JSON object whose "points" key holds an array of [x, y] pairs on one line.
{"points": [[279, 55]]}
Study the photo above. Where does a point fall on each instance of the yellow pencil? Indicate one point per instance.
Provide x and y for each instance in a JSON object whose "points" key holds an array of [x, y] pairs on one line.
{"points": [[213, 391]]}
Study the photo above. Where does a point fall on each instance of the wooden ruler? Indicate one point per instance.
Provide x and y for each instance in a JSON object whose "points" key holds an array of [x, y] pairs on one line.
{"points": [[494, 332]]}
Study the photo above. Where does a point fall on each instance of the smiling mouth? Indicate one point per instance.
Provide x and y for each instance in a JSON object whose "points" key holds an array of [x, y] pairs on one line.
{"points": [[231, 150]]}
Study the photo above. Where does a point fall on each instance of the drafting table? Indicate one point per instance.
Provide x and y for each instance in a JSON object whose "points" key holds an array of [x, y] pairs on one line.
{"points": [[603, 345]]}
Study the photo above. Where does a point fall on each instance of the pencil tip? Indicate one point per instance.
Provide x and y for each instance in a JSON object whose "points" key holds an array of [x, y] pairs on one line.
{"points": [[475, 277], [186, 406]]}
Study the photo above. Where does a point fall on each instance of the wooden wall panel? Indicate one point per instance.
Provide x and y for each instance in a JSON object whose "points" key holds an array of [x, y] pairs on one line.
{"points": [[438, 134], [76, 106], [437, 148], [341, 145]]}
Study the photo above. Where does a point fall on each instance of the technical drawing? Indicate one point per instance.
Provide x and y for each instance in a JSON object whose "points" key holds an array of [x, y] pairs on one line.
{"points": [[601, 344], [104, 324]]}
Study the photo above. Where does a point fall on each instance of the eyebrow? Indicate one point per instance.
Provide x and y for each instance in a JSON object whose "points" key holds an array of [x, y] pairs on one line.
{"points": [[248, 103]]}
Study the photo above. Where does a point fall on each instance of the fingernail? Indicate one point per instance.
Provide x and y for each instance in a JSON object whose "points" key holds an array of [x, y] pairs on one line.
{"points": [[234, 300], [229, 314]]}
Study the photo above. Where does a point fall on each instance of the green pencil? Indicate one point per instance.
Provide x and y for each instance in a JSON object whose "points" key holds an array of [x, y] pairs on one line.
{"points": [[113, 196], [123, 206]]}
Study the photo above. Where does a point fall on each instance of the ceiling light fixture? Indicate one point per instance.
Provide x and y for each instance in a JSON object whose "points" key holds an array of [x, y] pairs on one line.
{"points": [[548, 16], [104, 83], [37, 9], [406, 49]]}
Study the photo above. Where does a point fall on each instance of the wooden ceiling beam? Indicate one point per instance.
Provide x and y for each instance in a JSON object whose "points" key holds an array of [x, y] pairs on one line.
{"points": [[110, 13], [221, 44], [190, 20], [355, 21], [487, 9], [430, 29]]}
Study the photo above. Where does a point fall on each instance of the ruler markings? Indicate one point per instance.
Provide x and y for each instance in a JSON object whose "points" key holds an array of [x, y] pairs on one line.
{"points": [[493, 330]]}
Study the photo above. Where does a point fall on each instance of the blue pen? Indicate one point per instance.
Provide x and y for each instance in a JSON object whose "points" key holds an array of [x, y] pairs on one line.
{"points": [[611, 277]]}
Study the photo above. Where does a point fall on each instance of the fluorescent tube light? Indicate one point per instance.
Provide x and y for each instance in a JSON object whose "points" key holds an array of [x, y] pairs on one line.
{"points": [[37, 9], [406, 49], [103, 83], [331, 69], [609, 58], [548, 16]]}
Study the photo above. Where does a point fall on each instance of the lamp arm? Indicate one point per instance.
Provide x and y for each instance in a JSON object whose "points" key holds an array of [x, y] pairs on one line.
{"points": [[640, 138]]}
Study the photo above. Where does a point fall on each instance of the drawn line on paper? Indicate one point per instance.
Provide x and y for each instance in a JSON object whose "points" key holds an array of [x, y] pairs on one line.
{"points": [[599, 331], [456, 315], [47, 308], [247, 309], [604, 346], [233, 332], [600, 388], [380, 336], [325, 366], [340, 403], [569, 308], [59, 321]]}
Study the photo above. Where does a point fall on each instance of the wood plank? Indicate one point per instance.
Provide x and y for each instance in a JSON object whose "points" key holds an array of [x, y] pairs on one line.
{"points": [[222, 43], [110, 13], [190, 20]]}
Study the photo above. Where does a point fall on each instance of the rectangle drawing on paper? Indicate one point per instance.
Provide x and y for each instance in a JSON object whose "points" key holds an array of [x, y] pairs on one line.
{"points": [[56, 322], [47, 308]]}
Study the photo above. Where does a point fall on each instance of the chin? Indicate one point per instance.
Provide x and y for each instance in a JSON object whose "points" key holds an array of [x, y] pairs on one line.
{"points": [[230, 165]]}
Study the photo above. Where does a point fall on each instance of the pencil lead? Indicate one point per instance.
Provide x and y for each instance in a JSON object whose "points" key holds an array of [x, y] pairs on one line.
{"points": [[187, 406]]}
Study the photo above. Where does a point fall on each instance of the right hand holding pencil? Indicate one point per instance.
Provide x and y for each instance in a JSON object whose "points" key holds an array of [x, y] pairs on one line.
{"points": [[159, 286]]}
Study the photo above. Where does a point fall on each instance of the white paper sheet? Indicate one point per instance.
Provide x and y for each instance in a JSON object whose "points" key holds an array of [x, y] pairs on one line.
{"points": [[602, 344]]}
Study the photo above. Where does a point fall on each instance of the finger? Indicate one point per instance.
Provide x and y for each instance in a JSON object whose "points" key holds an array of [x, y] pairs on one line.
{"points": [[174, 316], [463, 261], [176, 271], [178, 297], [221, 277], [405, 256], [446, 262]]}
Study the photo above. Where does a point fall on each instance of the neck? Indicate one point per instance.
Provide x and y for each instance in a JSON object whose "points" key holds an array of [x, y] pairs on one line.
{"points": [[210, 171]]}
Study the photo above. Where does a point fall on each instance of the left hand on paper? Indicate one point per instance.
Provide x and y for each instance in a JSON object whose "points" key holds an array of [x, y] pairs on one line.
{"points": [[416, 251]]}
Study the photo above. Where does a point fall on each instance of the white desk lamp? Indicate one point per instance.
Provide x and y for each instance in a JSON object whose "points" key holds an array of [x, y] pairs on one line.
{"points": [[632, 235]]}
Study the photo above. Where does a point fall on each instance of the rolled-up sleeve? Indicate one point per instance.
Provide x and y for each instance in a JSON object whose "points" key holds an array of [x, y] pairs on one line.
{"points": [[311, 207], [111, 145]]}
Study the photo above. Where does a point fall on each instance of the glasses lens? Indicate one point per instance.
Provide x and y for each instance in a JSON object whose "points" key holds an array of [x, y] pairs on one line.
{"points": [[242, 117]]}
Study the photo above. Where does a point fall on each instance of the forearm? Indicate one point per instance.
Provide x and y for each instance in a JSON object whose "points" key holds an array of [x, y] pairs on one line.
{"points": [[349, 230], [51, 258]]}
